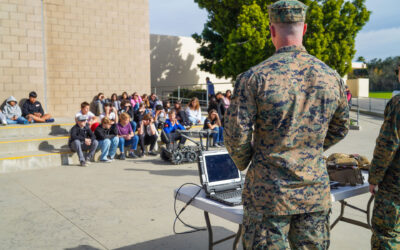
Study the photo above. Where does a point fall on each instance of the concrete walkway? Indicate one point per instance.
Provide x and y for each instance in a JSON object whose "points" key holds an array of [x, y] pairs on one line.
{"points": [[129, 205]]}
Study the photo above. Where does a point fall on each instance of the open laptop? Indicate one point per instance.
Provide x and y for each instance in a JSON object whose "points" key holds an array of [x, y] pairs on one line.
{"points": [[220, 177]]}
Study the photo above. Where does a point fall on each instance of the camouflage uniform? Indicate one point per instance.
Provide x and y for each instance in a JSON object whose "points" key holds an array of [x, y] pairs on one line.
{"points": [[385, 172], [293, 107]]}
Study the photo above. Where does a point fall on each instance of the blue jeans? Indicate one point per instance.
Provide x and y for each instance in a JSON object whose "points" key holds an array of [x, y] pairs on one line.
{"points": [[134, 125], [219, 136], [20, 120], [108, 147], [132, 142]]}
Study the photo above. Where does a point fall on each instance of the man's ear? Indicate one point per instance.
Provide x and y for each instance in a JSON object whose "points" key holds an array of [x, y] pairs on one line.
{"points": [[272, 30], [304, 29]]}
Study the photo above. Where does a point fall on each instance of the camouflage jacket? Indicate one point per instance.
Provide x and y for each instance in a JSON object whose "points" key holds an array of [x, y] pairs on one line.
{"points": [[385, 165], [283, 114]]}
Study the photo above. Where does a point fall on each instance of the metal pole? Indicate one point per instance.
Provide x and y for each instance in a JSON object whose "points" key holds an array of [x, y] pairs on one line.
{"points": [[358, 113], [44, 59], [179, 92], [207, 95], [369, 104]]}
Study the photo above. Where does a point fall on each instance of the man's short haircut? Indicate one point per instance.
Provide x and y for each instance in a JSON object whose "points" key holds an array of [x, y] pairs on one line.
{"points": [[105, 121], [290, 29], [33, 94], [84, 105], [147, 117], [124, 117]]}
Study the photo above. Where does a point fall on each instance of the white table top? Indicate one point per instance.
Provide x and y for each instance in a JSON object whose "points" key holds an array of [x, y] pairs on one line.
{"points": [[235, 214]]}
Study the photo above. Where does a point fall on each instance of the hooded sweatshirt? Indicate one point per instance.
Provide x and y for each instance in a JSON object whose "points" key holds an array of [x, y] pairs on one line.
{"points": [[11, 111]]}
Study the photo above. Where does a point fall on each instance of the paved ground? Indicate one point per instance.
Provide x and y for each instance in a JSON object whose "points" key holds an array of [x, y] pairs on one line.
{"points": [[129, 205]]}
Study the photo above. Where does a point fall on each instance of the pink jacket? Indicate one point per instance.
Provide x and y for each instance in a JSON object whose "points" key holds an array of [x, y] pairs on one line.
{"points": [[133, 102]]}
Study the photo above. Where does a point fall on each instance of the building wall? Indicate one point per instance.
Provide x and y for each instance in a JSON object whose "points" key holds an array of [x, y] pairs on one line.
{"points": [[91, 46], [21, 54], [174, 61]]}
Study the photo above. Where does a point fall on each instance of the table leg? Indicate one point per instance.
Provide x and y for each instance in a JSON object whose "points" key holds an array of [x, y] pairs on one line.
{"points": [[210, 232], [237, 238]]}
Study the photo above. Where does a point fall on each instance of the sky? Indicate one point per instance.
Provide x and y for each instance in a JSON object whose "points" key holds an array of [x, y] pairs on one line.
{"points": [[379, 38]]}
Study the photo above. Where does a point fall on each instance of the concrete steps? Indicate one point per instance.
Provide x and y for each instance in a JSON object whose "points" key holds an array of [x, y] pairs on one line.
{"points": [[36, 146]]}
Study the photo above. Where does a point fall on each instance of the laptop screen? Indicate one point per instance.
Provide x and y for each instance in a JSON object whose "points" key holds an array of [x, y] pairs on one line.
{"points": [[220, 167]]}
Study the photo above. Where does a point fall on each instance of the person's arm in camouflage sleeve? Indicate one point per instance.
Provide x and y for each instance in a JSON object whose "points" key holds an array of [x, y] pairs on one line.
{"points": [[387, 143], [339, 125], [239, 120]]}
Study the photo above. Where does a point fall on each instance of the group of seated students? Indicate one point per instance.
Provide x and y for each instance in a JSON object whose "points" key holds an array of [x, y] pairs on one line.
{"points": [[32, 111], [136, 120]]}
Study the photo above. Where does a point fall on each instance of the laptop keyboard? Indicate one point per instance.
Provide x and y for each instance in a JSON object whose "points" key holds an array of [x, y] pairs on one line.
{"points": [[228, 195]]}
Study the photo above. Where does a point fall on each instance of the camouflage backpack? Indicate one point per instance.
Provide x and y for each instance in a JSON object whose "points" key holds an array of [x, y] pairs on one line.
{"points": [[344, 169]]}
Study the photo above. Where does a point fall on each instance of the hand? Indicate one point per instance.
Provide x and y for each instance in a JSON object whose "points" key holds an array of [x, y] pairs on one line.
{"points": [[88, 141], [37, 114], [14, 118], [114, 109], [372, 189]]}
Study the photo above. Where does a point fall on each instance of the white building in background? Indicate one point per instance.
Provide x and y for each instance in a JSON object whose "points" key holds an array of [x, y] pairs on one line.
{"points": [[358, 87], [174, 61]]}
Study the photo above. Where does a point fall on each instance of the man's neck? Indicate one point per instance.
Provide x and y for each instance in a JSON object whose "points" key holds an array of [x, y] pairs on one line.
{"points": [[282, 44]]}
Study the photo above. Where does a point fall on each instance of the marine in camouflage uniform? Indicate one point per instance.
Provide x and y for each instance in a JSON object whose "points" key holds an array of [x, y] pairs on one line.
{"points": [[385, 173], [284, 113]]}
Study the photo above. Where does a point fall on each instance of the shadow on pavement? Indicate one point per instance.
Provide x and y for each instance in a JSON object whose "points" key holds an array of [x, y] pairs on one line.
{"points": [[167, 172], [82, 247]]}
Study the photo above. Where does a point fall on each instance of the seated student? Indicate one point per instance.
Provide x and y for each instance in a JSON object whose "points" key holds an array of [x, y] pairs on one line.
{"points": [[32, 110], [140, 113], [99, 103], [12, 112], [160, 116], [147, 134], [218, 105], [181, 115], [193, 111], [82, 139], [213, 122], [170, 128], [110, 112], [166, 105], [92, 121], [115, 102], [145, 100], [153, 100], [136, 100], [126, 137], [107, 136], [126, 107]]}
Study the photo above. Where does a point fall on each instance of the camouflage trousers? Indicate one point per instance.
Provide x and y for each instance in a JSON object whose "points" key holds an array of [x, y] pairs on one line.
{"points": [[299, 231], [386, 222]]}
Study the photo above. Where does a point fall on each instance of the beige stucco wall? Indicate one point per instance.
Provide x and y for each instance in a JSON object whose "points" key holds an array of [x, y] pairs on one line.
{"points": [[91, 46], [174, 61], [21, 54]]}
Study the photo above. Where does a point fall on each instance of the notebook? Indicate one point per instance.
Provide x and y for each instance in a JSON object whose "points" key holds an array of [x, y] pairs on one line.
{"points": [[220, 178]]}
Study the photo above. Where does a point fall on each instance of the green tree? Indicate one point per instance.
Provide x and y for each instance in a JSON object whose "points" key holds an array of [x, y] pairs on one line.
{"points": [[382, 75], [236, 35]]}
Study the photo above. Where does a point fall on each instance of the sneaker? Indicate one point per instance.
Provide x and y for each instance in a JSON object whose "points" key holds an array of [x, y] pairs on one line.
{"points": [[153, 153], [221, 144], [84, 164], [88, 160], [50, 120], [141, 154], [132, 155], [121, 156], [216, 145], [106, 161], [109, 158]]}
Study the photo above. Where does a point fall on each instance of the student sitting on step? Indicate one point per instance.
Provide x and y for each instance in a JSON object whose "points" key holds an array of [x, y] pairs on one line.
{"points": [[92, 121], [126, 137], [213, 122], [12, 112], [171, 128], [107, 136], [147, 134], [32, 110], [110, 112], [82, 139]]}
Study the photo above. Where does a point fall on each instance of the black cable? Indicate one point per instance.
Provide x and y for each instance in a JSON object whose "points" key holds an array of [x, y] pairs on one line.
{"points": [[195, 229]]}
